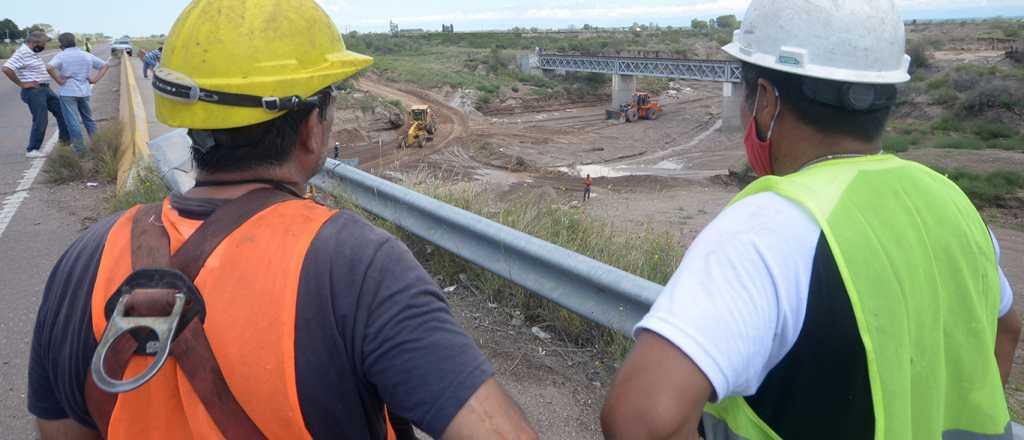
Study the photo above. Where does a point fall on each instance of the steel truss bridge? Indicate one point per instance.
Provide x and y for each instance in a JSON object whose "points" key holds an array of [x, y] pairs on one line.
{"points": [[701, 70]]}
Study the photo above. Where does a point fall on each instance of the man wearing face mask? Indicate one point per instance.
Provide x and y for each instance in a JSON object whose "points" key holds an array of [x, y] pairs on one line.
{"points": [[846, 294], [288, 320], [27, 70]]}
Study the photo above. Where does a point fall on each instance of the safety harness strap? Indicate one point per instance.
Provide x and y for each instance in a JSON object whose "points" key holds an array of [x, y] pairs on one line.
{"points": [[191, 348]]}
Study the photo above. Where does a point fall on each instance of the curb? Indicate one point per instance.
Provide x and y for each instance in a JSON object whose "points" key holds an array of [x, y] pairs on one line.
{"points": [[134, 128]]}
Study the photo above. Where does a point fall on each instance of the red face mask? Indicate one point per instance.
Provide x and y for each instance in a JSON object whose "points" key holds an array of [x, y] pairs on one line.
{"points": [[759, 153]]}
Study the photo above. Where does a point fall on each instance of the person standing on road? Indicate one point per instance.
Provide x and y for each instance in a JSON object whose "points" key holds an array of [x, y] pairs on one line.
{"points": [[587, 183], [151, 60], [323, 325], [847, 293], [73, 69], [27, 70]]}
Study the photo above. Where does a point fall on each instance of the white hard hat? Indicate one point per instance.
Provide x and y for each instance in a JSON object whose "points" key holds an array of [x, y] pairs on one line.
{"points": [[856, 41]]}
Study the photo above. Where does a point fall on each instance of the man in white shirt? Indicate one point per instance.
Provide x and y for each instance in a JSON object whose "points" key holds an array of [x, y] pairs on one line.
{"points": [[73, 69], [27, 70]]}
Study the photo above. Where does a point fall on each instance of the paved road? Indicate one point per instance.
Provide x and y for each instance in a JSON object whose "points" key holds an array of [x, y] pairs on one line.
{"points": [[46, 220]]}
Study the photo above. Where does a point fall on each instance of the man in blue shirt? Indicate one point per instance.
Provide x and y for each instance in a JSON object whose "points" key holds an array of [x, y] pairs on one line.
{"points": [[74, 67], [151, 60]]}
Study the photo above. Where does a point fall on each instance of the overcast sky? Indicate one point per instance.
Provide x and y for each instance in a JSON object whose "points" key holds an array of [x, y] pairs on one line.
{"points": [[145, 17]]}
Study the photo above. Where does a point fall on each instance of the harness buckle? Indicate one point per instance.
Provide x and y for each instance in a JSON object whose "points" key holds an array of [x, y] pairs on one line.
{"points": [[156, 288]]}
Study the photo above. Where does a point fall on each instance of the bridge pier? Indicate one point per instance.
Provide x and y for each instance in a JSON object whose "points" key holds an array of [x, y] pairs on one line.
{"points": [[732, 98], [623, 87]]}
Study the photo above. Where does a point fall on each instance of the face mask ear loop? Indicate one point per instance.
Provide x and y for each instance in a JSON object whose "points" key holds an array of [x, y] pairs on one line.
{"points": [[778, 108]]}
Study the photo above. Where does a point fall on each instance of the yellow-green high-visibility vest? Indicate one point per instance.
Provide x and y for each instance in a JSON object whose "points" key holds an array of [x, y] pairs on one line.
{"points": [[919, 268]]}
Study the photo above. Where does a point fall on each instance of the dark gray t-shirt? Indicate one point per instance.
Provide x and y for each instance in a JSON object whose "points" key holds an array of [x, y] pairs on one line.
{"points": [[371, 328]]}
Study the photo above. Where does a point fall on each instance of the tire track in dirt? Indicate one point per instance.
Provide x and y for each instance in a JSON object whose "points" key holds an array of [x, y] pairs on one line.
{"points": [[453, 124]]}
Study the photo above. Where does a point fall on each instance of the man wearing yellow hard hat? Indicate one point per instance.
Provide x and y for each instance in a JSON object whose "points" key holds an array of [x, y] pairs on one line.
{"points": [[269, 316], [845, 294]]}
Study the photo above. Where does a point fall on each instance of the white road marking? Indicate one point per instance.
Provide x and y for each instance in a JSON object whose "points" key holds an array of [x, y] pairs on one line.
{"points": [[13, 201]]}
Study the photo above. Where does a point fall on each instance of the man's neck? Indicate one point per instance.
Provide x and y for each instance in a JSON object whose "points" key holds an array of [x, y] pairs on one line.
{"points": [[246, 182]]}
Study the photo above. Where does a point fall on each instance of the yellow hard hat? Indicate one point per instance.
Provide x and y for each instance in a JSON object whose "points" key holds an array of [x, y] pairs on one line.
{"points": [[233, 63]]}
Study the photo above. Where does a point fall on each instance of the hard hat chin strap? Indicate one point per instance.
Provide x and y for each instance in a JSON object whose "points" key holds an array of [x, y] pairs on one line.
{"points": [[193, 93]]}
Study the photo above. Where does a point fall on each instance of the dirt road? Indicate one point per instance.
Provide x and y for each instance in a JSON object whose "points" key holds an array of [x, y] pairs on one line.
{"points": [[453, 124]]}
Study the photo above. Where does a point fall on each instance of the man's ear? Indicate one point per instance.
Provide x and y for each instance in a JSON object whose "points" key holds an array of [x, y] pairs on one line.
{"points": [[310, 137]]}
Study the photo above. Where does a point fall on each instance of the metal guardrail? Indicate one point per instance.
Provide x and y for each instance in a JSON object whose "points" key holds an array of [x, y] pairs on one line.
{"points": [[596, 291], [703, 70]]}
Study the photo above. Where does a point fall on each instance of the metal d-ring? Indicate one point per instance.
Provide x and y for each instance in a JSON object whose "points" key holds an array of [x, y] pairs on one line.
{"points": [[117, 325]]}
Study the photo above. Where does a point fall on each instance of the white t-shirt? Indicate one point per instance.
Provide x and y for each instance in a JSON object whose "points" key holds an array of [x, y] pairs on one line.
{"points": [[736, 316]]}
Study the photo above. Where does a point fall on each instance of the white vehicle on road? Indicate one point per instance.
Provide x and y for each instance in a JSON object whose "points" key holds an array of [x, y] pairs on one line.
{"points": [[123, 44]]}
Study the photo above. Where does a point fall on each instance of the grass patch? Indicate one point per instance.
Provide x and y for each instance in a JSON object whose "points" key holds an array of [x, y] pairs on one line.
{"points": [[65, 166], [895, 143], [958, 143], [651, 255], [987, 189], [989, 130], [148, 188], [105, 152], [100, 163]]}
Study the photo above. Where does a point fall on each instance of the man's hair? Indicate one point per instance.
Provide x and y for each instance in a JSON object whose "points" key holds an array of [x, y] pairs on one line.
{"points": [[258, 146], [66, 40], [867, 126], [252, 147], [38, 37]]}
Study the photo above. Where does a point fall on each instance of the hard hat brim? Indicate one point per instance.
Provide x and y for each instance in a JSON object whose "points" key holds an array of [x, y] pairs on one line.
{"points": [[821, 72]]}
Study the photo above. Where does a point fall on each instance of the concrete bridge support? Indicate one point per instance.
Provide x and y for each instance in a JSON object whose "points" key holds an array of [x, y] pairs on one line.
{"points": [[623, 87], [732, 98]]}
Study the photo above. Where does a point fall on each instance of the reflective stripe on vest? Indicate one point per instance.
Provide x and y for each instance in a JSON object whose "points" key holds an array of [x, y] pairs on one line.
{"points": [[254, 339], [919, 267]]}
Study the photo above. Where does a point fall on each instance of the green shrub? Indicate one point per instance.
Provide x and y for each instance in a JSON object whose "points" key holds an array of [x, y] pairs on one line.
{"points": [[958, 143], [1010, 144], [147, 188], [948, 122], [515, 89], [995, 94], [6, 51], [987, 189], [989, 130], [64, 166], [919, 56], [895, 143], [941, 82], [484, 99], [106, 152], [943, 96], [919, 76]]}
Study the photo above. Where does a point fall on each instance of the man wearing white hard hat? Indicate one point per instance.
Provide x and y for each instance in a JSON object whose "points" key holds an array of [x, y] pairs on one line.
{"points": [[846, 293]]}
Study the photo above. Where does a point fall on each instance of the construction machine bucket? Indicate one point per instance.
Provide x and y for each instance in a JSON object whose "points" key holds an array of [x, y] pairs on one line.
{"points": [[615, 115]]}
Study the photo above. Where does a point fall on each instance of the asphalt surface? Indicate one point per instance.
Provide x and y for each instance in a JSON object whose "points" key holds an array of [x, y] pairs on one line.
{"points": [[46, 221]]}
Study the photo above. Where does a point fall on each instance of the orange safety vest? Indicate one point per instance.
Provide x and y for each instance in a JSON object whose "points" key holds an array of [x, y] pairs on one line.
{"points": [[250, 286]]}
